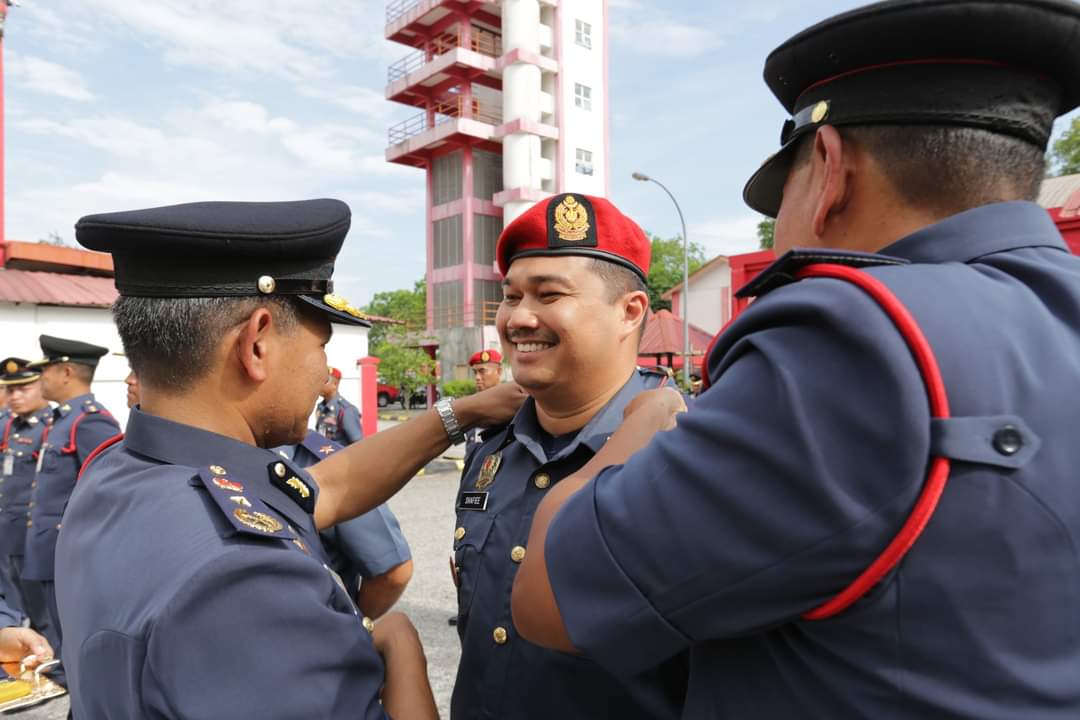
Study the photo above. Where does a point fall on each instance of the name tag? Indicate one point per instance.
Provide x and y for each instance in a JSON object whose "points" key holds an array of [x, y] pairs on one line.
{"points": [[9, 463], [473, 501]]}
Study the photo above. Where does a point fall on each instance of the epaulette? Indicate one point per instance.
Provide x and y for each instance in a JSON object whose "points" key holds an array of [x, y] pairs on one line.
{"points": [[782, 272], [245, 512], [319, 446], [90, 407]]}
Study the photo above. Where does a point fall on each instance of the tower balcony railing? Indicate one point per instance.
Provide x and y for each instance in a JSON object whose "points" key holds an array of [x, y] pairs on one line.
{"points": [[480, 313], [397, 8], [442, 112], [481, 41]]}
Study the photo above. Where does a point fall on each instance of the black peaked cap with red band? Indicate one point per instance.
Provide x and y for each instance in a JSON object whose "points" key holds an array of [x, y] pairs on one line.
{"points": [[575, 224], [1005, 66]]}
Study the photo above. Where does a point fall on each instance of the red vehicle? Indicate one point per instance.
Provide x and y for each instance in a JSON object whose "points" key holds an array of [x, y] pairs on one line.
{"points": [[387, 394]]}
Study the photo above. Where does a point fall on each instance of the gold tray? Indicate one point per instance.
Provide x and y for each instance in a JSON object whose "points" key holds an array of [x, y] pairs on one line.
{"points": [[42, 688]]}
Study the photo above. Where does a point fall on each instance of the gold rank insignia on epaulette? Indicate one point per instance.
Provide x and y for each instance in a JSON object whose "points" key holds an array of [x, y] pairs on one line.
{"points": [[292, 483], [246, 513], [90, 407]]}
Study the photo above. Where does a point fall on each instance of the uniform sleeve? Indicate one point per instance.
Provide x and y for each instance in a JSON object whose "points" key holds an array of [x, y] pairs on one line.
{"points": [[9, 617], [350, 424], [782, 483], [373, 542], [261, 632], [94, 429]]}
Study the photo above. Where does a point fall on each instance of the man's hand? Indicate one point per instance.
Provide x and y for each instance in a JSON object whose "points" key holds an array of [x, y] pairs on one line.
{"points": [[17, 642], [660, 405], [495, 406], [406, 691]]}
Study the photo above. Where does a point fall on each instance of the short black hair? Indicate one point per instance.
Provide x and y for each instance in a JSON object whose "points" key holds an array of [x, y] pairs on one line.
{"points": [[170, 342], [82, 372], [619, 281], [947, 169]]}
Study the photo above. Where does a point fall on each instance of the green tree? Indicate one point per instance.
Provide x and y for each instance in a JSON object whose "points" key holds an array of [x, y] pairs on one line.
{"points": [[766, 229], [666, 267], [408, 306], [1064, 156], [404, 367]]}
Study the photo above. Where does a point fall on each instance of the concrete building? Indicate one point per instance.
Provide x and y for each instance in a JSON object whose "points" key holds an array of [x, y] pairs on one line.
{"points": [[513, 108]]}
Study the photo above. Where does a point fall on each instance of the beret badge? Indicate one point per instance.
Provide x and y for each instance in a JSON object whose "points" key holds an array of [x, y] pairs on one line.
{"points": [[571, 220]]}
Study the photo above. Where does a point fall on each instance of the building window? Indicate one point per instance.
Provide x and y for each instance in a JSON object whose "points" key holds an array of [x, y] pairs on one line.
{"points": [[486, 229], [583, 34], [583, 96], [448, 242], [448, 306], [584, 162], [487, 174], [446, 178]]}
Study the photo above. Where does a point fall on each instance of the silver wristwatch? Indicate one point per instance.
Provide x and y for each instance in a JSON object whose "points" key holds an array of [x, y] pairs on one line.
{"points": [[449, 421]]}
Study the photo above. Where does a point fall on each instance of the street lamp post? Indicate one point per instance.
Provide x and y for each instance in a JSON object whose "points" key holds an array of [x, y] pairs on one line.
{"points": [[687, 358]]}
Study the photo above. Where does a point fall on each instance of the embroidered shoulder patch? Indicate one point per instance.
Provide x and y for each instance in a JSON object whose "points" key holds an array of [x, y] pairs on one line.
{"points": [[245, 511], [782, 272]]}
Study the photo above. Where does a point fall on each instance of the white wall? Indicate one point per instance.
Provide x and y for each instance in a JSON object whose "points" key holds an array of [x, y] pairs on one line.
{"points": [[21, 324], [585, 129], [710, 298]]}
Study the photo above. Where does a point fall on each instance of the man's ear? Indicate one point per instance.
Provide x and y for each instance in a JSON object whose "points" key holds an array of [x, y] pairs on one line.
{"points": [[834, 171], [635, 307], [252, 345]]}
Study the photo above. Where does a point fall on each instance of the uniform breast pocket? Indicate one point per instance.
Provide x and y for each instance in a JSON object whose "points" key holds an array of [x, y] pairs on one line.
{"points": [[47, 459], [468, 549]]}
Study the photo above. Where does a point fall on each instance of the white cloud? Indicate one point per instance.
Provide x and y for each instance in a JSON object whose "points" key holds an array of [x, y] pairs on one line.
{"points": [[726, 235], [246, 116], [660, 36], [47, 77]]}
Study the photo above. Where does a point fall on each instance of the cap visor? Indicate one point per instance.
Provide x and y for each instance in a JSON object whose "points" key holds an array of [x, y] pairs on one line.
{"points": [[338, 316], [20, 381], [764, 191], [39, 363]]}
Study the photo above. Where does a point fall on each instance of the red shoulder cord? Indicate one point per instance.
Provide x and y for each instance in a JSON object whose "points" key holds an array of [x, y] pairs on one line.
{"points": [[97, 451], [7, 431], [939, 408], [71, 447]]}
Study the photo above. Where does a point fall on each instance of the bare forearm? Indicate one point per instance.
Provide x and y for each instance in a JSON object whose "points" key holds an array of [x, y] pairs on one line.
{"points": [[378, 594], [406, 690]]}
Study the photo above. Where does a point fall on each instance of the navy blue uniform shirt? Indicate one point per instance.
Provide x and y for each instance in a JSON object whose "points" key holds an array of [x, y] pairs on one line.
{"points": [[78, 427], [339, 420], [364, 547], [801, 462], [191, 584], [20, 442], [501, 675]]}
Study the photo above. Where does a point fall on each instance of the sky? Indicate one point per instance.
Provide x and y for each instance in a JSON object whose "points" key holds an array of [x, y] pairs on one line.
{"points": [[120, 104]]}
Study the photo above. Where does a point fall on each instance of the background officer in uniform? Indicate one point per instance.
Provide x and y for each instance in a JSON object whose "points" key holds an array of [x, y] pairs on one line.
{"points": [[192, 583], [20, 443], [79, 425], [486, 366], [570, 323], [795, 531], [369, 552], [336, 418]]}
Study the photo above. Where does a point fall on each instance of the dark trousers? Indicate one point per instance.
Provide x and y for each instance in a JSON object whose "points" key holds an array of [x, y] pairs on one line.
{"points": [[40, 598], [11, 582]]}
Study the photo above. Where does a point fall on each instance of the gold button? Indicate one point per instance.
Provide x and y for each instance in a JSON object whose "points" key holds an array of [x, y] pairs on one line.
{"points": [[517, 554], [369, 624], [279, 469], [542, 480], [29, 523], [218, 470], [500, 636], [459, 533], [58, 525], [31, 504], [266, 284]]}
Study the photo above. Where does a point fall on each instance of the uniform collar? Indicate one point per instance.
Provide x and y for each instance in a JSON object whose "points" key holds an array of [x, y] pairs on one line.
{"points": [[41, 417], [178, 444], [65, 408], [525, 427], [985, 230]]}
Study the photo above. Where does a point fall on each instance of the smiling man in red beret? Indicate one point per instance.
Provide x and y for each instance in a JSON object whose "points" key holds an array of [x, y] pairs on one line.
{"points": [[571, 318]]}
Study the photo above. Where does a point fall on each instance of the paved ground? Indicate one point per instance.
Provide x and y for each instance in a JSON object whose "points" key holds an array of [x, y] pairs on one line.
{"points": [[425, 509]]}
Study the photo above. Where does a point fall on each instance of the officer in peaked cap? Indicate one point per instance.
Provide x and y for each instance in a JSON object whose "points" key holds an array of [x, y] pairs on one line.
{"points": [[570, 324], [873, 510], [191, 547], [79, 424], [20, 442]]}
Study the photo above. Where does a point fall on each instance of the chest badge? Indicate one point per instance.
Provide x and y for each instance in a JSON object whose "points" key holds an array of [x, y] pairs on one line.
{"points": [[228, 485], [258, 521], [326, 449], [488, 468]]}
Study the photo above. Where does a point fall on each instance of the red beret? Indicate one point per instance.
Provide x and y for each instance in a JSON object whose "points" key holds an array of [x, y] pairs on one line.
{"points": [[485, 356], [335, 372], [572, 224]]}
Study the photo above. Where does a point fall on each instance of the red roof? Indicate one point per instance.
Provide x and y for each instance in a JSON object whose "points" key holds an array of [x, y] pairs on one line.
{"points": [[664, 335], [47, 288]]}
